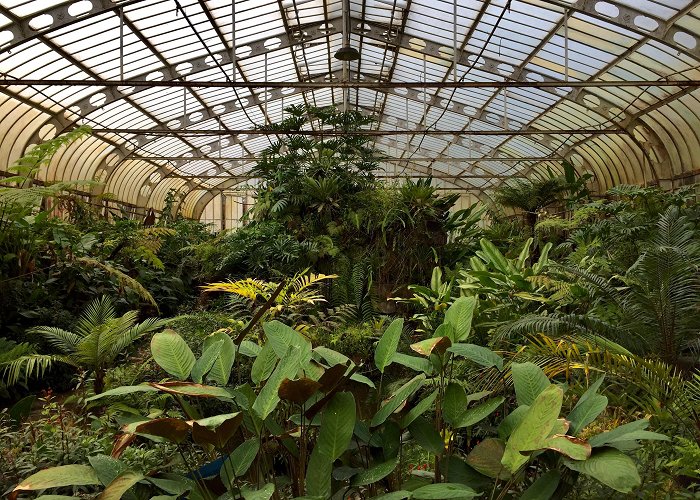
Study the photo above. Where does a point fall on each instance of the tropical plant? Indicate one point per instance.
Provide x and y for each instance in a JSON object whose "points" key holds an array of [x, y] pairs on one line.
{"points": [[296, 430], [99, 337]]}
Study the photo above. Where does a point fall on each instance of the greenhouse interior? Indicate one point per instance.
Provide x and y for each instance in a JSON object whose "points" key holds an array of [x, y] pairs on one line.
{"points": [[350, 249]]}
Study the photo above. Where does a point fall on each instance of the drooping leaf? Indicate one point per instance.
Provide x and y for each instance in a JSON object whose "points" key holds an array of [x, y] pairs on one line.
{"points": [[570, 446], [298, 391], [172, 429], [435, 345], [206, 361], [192, 389], [444, 491], [460, 315], [397, 399], [172, 354], [478, 354], [375, 473], [486, 457], [494, 256], [535, 427], [611, 467], [57, 477], [529, 381], [123, 390], [386, 347], [625, 436]]}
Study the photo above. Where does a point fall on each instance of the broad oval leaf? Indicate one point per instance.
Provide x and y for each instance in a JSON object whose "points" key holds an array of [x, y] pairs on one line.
{"points": [[206, 361], [444, 491], [192, 389], [413, 362], [478, 354], [611, 467], [460, 315], [172, 429], [427, 436], [239, 461], [535, 427], [572, 447], [544, 487], [337, 424], [172, 354], [529, 381], [419, 409], [298, 391], [486, 457], [375, 473], [386, 347], [220, 371], [479, 412], [589, 406], [123, 390], [57, 477], [281, 337]]}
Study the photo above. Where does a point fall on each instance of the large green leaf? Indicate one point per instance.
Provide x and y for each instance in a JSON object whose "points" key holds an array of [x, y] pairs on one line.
{"points": [[57, 477], [281, 337], [401, 395], [394, 495], [460, 315], [434, 345], [318, 474], [625, 436], [479, 412], [535, 427], [192, 389], [419, 409], [337, 424], [123, 390], [107, 468], [478, 354], [589, 406], [572, 447], [386, 347], [494, 256], [427, 436], [454, 403], [116, 489], [511, 421], [221, 369], [444, 491], [486, 458], [240, 460], [413, 362], [288, 367], [529, 381], [611, 467], [172, 354], [206, 361], [544, 487], [264, 364], [375, 473]]}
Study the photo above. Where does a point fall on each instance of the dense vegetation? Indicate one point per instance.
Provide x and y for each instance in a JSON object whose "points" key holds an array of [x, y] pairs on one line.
{"points": [[354, 339]]}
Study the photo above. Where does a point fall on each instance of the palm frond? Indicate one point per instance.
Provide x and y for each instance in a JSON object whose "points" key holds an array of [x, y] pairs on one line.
{"points": [[63, 340], [123, 279]]}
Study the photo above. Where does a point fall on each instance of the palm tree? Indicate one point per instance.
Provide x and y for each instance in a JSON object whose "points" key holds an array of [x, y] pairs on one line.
{"points": [[531, 195], [99, 338]]}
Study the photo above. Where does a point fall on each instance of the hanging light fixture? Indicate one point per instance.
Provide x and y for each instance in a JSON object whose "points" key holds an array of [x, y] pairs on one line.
{"points": [[346, 52]]}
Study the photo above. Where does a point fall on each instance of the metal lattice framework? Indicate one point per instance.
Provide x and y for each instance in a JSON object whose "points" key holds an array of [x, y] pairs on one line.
{"points": [[471, 92]]}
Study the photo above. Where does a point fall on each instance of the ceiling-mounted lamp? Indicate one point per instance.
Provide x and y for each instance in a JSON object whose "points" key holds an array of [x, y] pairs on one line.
{"points": [[346, 52]]}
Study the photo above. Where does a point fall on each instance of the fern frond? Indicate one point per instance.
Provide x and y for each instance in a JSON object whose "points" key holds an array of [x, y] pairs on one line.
{"points": [[123, 279]]}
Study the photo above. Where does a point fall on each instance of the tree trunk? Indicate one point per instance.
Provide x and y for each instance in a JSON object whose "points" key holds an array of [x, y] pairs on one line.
{"points": [[99, 384]]}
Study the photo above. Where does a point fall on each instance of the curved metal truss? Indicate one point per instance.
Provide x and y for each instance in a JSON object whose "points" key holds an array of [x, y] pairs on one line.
{"points": [[555, 55]]}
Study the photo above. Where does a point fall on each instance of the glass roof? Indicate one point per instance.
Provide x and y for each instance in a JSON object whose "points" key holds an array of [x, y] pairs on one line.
{"points": [[512, 88]]}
